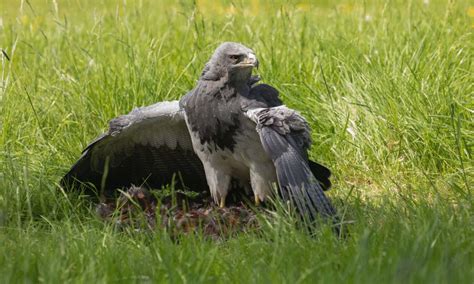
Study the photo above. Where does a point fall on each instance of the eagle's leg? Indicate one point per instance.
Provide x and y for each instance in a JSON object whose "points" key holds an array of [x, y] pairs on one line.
{"points": [[261, 177], [257, 200], [219, 182]]}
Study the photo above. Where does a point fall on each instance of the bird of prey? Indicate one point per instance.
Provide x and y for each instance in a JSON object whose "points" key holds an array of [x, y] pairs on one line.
{"points": [[228, 133]]}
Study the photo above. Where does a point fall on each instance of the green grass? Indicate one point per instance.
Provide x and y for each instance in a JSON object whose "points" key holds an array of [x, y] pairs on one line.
{"points": [[398, 75]]}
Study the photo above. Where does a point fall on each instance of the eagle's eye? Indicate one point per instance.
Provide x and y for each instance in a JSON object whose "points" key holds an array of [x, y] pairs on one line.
{"points": [[234, 57]]}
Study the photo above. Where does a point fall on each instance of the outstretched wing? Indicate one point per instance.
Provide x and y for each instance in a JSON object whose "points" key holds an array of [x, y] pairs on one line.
{"points": [[286, 138], [150, 145]]}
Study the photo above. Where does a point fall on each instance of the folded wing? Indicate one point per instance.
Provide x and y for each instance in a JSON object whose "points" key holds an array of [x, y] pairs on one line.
{"points": [[286, 138], [150, 145]]}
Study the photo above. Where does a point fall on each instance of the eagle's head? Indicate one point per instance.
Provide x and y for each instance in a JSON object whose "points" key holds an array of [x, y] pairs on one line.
{"points": [[232, 60]]}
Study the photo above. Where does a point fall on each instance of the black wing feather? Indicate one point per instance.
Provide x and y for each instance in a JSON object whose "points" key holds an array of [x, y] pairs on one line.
{"points": [[296, 181], [130, 154]]}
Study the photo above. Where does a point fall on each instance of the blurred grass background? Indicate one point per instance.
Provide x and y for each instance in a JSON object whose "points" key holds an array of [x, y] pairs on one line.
{"points": [[387, 87]]}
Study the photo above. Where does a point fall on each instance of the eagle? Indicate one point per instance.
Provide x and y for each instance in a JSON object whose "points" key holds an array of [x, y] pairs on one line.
{"points": [[229, 133]]}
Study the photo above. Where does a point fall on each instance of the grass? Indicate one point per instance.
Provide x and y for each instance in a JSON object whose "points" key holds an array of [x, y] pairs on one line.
{"points": [[387, 87]]}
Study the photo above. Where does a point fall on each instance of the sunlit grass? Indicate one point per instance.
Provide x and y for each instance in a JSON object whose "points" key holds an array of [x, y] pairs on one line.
{"points": [[386, 86]]}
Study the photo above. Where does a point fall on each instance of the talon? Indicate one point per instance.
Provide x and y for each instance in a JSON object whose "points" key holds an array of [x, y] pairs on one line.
{"points": [[222, 203], [257, 201]]}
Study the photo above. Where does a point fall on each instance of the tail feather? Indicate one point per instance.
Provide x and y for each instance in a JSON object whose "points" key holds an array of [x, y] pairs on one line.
{"points": [[321, 173]]}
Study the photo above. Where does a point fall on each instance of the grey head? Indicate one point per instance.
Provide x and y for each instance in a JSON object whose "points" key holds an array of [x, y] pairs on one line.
{"points": [[232, 61]]}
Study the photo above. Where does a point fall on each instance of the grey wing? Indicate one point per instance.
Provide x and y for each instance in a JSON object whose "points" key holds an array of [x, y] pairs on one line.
{"points": [[266, 96], [150, 145], [285, 137]]}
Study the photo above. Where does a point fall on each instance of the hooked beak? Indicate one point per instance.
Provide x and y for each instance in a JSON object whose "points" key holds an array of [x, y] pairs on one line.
{"points": [[249, 61]]}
